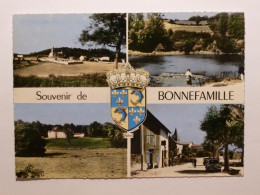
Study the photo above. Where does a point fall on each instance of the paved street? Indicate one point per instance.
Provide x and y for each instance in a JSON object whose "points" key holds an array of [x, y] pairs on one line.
{"points": [[184, 170]]}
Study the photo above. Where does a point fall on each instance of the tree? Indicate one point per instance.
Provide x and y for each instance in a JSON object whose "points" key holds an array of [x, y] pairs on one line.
{"points": [[211, 125], [188, 45], [147, 35], [198, 19], [69, 134], [28, 141], [95, 129], [236, 123], [223, 128], [237, 25], [106, 29], [136, 27], [223, 23]]}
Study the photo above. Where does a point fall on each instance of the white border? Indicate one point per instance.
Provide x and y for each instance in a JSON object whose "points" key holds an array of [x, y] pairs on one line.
{"points": [[249, 184]]}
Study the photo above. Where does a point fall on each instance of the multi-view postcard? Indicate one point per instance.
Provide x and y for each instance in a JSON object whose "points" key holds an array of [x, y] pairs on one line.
{"points": [[129, 95]]}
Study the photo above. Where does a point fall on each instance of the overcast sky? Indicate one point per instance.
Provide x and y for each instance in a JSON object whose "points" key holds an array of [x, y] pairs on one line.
{"points": [[185, 117], [37, 32]]}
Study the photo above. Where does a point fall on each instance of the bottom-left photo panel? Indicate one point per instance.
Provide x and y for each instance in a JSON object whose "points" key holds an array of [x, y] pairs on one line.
{"points": [[67, 141]]}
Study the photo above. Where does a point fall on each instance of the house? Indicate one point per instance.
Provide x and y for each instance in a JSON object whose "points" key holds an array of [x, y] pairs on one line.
{"points": [[56, 132], [82, 58], [30, 58], [197, 147], [104, 59], [150, 145], [78, 134]]}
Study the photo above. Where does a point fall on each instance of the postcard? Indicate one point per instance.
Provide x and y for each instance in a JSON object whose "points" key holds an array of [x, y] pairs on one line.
{"points": [[129, 95]]}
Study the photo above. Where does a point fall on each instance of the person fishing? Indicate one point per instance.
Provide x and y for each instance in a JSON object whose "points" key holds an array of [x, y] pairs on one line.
{"points": [[188, 76]]}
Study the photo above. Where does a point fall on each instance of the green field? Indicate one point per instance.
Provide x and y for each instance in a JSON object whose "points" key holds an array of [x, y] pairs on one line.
{"points": [[85, 142], [86, 158]]}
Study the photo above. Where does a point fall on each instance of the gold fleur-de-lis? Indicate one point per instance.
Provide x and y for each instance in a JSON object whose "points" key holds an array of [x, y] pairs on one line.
{"points": [[132, 111], [119, 101], [123, 93], [115, 93], [136, 119], [141, 111]]}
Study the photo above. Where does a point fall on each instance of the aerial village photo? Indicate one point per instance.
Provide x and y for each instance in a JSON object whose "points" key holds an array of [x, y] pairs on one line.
{"points": [[92, 140]]}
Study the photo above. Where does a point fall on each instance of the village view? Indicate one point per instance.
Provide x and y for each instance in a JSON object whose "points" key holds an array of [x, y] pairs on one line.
{"points": [[98, 150], [211, 46]]}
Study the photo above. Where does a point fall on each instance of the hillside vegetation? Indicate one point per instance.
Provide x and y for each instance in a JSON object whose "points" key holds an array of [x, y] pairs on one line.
{"points": [[222, 33]]}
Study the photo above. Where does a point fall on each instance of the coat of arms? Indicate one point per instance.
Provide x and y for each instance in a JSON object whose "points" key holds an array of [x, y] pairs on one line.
{"points": [[128, 96]]}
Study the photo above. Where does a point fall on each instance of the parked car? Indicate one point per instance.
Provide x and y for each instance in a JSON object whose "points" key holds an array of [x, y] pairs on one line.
{"points": [[213, 165], [205, 160]]}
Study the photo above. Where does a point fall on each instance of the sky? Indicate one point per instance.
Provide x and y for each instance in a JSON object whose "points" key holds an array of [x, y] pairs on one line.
{"points": [[184, 117], [37, 32]]}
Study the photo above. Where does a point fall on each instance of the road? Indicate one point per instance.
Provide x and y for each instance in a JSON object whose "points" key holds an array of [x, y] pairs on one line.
{"points": [[184, 170]]}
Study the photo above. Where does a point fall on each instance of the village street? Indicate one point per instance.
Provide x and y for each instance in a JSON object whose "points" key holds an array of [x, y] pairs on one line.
{"points": [[184, 170]]}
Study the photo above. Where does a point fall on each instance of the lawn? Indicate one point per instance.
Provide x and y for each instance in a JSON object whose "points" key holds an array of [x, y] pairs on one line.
{"points": [[86, 158]]}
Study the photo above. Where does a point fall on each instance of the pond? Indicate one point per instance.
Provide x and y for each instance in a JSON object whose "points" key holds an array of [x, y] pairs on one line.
{"points": [[206, 65]]}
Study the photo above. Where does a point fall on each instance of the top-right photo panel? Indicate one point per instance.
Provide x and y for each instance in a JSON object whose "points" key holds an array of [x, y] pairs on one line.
{"points": [[188, 48]]}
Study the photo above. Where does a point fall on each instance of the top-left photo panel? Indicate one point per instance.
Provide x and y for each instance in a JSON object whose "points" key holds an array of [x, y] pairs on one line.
{"points": [[67, 50]]}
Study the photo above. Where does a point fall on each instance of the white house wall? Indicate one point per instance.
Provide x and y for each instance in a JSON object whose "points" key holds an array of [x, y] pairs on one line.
{"points": [[53, 134]]}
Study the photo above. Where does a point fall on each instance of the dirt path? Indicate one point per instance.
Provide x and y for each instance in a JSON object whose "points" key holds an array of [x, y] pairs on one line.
{"points": [[184, 170], [47, 68]]}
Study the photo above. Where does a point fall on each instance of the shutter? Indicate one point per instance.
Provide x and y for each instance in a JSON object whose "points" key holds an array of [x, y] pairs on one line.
{"points": [[157, 158], [148, 137], [154, 140], [147, 157]]}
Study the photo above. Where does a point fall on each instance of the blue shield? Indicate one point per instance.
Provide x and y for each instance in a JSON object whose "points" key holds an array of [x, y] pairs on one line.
{"points": [[128, 107]]}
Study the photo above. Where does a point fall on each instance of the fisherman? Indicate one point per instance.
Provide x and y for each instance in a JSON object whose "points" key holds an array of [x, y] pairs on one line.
{"points": [[188, 76]]}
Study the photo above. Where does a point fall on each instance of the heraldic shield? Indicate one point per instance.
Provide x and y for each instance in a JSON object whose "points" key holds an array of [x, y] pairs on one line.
{"points": [[128, 107], [128, 96]]}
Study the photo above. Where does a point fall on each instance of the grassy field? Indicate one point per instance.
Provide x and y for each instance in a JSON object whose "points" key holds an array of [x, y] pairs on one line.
{"points": [[191, 28], [84, 158], [85, 142], [91, 80]]}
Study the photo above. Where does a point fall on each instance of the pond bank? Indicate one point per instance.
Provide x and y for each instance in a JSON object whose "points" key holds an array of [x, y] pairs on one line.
{"points": [[154, 53]]}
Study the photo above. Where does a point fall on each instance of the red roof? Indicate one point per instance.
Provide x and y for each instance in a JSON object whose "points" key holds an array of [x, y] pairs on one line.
{"points": [[196, 145]]}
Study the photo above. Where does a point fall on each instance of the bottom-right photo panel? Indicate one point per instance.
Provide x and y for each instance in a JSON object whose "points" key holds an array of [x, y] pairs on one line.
{"points": [[189, 140]]}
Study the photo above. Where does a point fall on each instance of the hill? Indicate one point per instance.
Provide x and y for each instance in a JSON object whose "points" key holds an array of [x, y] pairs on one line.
{"points": [[77, 52]]}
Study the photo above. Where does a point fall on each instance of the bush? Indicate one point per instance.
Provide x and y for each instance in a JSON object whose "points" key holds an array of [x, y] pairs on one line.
{"points": [[116, 139], [226, 45], [28, 141], [29, 172]]}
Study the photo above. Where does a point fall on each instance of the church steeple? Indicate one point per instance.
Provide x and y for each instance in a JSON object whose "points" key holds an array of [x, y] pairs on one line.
{"points": [[175, 135]]}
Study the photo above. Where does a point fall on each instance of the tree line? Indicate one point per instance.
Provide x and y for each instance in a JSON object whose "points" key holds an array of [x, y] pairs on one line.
{"points": [[77, 52], [149, 34], [30, 136]]}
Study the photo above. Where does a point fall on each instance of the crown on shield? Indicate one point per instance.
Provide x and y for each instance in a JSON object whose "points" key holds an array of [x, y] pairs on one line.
{"points": [[127, 76]]}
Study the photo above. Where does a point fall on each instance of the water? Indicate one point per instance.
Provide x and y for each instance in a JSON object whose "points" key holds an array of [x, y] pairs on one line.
{"points": [[207, 65]]}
